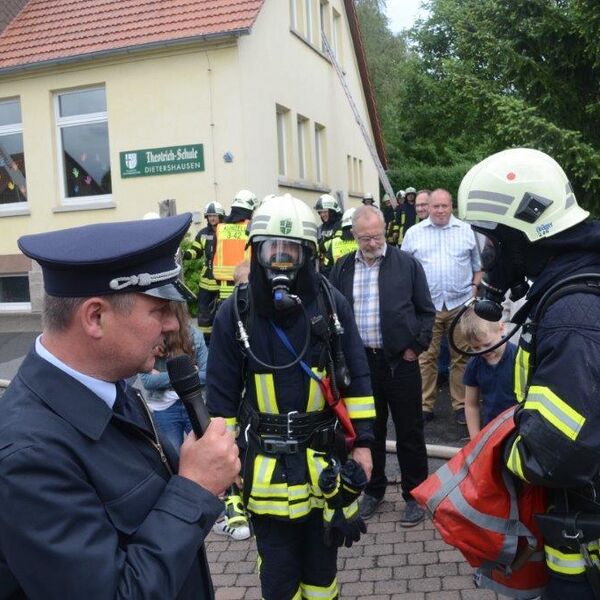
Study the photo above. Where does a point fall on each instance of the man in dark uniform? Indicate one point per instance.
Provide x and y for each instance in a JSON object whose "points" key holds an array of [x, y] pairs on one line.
{"points": [[531, 228], [276, 392], [92, 503], [203, 247]]}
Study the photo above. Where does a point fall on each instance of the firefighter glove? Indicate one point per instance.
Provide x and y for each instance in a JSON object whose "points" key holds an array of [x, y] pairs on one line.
{"points": [[343, 526]]}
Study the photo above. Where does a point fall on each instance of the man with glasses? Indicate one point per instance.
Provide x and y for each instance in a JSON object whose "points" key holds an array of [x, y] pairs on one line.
{"points": [[394, 313]]}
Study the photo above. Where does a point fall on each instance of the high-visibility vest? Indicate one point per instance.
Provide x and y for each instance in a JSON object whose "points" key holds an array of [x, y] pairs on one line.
{"points": [[478, 508], [341, 247], [230, 249]]}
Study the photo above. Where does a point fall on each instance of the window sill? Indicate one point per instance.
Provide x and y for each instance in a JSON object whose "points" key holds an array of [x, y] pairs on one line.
{"points": [[310, 45], [303, 185], [84, 206], [11, 210], [356, 195], [15, 307]]}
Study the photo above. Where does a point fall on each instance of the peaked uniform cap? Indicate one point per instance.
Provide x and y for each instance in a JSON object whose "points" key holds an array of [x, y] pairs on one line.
{"points": [[111, 258]]}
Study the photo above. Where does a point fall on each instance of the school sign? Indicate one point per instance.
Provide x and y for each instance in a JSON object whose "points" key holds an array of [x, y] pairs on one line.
{"points": [[162, 161]]}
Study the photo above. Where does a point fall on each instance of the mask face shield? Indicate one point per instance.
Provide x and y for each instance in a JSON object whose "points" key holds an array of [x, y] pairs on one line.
{"points": [[282, 258], [281, 254], [503, 254]]}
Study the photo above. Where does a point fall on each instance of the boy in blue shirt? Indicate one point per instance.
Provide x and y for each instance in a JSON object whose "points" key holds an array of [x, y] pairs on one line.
{"points": [[489, 377]]}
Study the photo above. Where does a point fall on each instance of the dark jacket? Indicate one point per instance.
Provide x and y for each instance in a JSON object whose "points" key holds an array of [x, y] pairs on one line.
{"points": [[88, 509], [557, 441], [405, 308]]}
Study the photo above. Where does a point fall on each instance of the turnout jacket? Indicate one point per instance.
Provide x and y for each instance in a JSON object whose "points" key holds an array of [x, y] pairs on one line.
{"points": [[284, 486], [89, 507], [557, 440], [203, 247], [405, 309]]}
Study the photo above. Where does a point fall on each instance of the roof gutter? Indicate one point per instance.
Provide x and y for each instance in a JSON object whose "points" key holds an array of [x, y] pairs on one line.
{"points": [[235, 33]]}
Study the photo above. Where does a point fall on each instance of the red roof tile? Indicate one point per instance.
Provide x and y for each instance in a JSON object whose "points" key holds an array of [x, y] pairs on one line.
{"points": [[48, 30]]}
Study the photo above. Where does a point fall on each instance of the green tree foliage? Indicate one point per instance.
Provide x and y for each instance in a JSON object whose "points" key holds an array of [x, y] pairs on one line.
{"points": [[483, 75]]}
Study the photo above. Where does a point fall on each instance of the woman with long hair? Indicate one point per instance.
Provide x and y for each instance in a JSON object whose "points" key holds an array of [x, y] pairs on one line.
{"points": [[168, 410]]}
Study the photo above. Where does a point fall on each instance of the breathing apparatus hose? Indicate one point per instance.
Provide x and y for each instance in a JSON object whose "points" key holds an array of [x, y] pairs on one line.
{"points": [[244, 338], [455, 321]]}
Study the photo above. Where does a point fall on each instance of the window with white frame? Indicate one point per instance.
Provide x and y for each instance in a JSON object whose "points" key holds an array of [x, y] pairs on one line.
{"points": [[308, 19], [324, 22], [282, 115], [14, 292], [293, 15], [13, 189], [336, 33], [319, 153], [84, 158], [302, 123]]}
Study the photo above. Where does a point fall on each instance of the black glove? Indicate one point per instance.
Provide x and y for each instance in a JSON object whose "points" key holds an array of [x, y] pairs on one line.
{"points": [[343, 526], [341, 486]]}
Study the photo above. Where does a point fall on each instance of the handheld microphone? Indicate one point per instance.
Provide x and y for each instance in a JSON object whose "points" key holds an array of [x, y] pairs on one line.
{"points": [[185, 381]]}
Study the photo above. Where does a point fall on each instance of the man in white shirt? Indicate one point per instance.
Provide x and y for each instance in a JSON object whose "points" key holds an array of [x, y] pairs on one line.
{"points": [[446, 248]]}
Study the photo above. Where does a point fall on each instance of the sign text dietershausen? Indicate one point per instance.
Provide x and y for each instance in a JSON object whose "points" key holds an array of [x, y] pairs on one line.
{"points": [[162, 161]]}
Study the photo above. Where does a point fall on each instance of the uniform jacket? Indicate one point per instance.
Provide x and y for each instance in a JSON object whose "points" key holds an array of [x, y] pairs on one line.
{"points": [[203, 248], [557, 443], [88, 508], [405, 308], [230, 377]]}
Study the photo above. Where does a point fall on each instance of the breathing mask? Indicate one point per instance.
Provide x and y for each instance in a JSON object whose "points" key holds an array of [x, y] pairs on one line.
{"points": [[282, 258], [503, 254]]}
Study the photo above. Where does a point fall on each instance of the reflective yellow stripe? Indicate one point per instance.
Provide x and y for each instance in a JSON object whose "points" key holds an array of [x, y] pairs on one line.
{"points": [[316, 463], [264, 467], [360, 407], [521, 370], [554, 410], [316, 401], [265, 393], [340, 247], [232, 425], [514, 460], [566, 564], [328, 592], [350, 510], [298, 594]]}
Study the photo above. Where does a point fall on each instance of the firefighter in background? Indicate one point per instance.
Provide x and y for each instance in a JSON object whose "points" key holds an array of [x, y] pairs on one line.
{"points": [[232, 238], [280, 350], [330, 212], [389, 214], [203, 247], [530, 226], [407, 215], [341, 243]]}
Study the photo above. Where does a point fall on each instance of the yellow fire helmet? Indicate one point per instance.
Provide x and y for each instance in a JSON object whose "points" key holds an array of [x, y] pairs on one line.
{"points": [[284, 217], [521, 188]]}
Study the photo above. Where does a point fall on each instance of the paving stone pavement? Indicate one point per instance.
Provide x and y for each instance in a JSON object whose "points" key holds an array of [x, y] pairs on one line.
{"points": [[389, 563]]}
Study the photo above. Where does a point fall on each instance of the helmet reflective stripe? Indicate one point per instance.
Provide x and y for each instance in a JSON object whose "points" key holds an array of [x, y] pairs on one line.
{"points": [[521, 188]]}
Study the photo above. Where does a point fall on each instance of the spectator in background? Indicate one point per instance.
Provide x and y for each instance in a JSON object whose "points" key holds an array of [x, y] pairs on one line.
{"points": [[489, 378], [422, 204], [392, 306], [167, 408], [446, 248]]}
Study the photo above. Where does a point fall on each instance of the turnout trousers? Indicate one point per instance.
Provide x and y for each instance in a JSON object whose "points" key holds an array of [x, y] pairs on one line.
{"points": [[294, 562]]}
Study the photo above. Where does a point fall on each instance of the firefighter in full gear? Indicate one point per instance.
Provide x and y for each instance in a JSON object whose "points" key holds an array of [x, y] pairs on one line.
{"points": [[407, 215], [530, 228], [341, 243], [330, 213], [231, 247], [297, 390], [203, 247], [368, 199]]}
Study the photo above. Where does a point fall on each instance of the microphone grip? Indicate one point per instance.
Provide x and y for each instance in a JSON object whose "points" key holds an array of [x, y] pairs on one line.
{"points": [[196, 410]]}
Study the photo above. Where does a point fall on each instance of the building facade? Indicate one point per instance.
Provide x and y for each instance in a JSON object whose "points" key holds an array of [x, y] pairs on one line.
{"points": [[108, 110]]}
